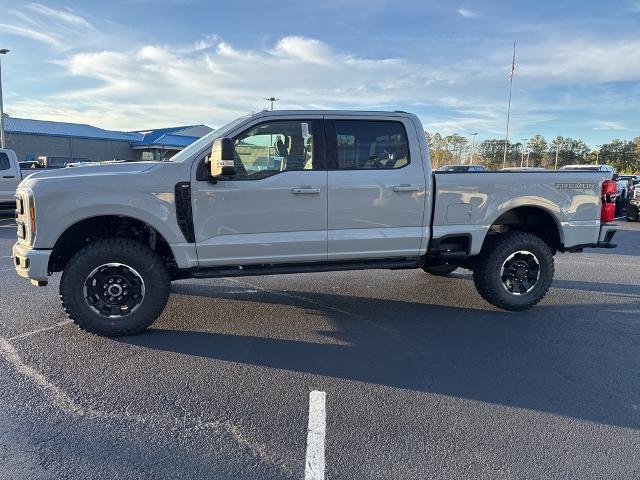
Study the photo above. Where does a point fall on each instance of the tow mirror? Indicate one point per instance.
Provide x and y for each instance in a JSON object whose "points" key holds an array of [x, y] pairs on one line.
{"points": [[222, 158]]}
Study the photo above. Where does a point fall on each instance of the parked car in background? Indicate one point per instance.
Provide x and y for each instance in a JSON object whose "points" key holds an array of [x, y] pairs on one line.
{"points": [[633, 208], [461, 168], [59, 162], [10, 177], [590, 168], [523, 169], [624, 193], [29, 165]]}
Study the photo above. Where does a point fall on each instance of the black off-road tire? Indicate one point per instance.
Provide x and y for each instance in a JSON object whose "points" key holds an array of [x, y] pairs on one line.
{"points": [[443, 270], [488, 265], [142, 259]]}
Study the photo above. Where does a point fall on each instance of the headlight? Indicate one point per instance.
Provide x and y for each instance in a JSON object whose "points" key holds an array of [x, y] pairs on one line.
{"points": [[32, 219], [26, 216]]}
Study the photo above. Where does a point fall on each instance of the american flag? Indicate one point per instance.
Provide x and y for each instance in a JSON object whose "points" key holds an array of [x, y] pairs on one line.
{"points": [[513, 62]]}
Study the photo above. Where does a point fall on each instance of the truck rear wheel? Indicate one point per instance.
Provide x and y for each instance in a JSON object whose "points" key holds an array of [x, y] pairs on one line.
{"points": [[114, 287], [514, 270], [443, 270]]}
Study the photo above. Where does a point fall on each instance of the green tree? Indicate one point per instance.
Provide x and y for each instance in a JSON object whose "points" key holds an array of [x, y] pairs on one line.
{"points": [[621, 155], [538, 151]]}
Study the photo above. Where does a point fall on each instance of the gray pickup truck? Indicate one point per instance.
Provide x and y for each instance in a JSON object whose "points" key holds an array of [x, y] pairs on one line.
{"points": [[10, 177], [297, 191]]}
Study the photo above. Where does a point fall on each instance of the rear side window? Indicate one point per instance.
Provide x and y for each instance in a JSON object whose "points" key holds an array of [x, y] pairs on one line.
{"points": [[371, 145], [4, 161]]}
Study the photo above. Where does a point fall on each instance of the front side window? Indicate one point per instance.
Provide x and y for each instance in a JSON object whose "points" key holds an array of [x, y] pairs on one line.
{"points": [[273, 147], [371, 145], [4, 161]]}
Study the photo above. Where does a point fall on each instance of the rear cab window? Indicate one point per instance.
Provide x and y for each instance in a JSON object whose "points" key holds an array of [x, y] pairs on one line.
{"points": [[370, 145]]}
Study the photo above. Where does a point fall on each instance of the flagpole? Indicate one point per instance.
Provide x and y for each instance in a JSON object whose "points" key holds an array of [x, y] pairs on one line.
{"points": [[506, 138]]}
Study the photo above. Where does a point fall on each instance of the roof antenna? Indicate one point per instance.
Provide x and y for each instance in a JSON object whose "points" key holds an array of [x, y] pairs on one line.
{"points": [[272, 99]]}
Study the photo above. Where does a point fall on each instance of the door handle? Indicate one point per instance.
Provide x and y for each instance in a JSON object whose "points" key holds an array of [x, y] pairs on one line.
{"points": [[406, 188], [305, 190], [8, 176]]}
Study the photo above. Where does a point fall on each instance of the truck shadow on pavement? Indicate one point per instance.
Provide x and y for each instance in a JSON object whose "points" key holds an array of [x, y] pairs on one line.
{"points": [[580, 361]]}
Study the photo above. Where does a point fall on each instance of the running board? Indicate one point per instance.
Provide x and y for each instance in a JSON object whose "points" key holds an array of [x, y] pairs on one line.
{"points": [[286, 269]]}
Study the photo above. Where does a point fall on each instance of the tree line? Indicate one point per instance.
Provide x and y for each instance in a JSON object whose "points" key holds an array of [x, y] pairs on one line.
{"points": [[623, 155]]}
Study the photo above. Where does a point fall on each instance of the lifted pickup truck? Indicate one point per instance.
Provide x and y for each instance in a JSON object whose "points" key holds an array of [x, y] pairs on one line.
{"points": [[10, 177], [297, 191]]}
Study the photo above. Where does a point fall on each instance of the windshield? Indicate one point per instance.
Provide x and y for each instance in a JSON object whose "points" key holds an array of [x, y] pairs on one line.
{"points": [[207, 139]]}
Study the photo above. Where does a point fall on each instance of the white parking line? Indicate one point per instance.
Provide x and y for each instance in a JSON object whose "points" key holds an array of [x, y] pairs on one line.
{"points": [[57, 395], [314, 464], [40, 330]]}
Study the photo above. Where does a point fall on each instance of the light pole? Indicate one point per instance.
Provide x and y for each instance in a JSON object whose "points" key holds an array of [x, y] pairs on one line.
{"points": [[473, 145], [272, 99], [3, 51], [557, 151], [524, 143], [598, 154]]}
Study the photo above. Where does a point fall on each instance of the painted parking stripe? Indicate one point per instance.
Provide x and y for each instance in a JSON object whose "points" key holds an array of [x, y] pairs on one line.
{"points": [[39, 330], [314, 464]]}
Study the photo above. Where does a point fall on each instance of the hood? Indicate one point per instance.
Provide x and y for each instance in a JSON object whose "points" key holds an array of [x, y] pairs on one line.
{"points": [[98, 169]]}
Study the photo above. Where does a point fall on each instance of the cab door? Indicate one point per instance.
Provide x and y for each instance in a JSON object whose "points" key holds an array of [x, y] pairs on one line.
{"points": [[274, 210], [9, 178], [377, 188]]}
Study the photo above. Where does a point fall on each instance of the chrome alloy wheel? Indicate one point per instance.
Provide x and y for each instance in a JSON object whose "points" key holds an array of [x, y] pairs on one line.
{"points": [[114, 290], [520, 272]]}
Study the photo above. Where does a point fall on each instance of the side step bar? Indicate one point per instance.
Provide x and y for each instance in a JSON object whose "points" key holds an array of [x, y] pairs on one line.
{"points": [[285, 269]]}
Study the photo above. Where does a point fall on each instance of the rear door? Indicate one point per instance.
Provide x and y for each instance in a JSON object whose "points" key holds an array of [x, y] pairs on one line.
{"points": [[275, 209], [9, 178], [376, 188]]}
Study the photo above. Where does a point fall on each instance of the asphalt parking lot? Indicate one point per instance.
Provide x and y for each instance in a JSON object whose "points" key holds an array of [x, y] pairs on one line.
{"points": [[423, 379]]}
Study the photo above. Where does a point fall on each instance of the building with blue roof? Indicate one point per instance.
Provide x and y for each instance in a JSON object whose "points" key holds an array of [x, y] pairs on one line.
{"points": [[61, 142]]}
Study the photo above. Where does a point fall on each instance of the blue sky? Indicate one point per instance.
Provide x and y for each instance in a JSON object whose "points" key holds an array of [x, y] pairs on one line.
{"points": [[133, 64]]}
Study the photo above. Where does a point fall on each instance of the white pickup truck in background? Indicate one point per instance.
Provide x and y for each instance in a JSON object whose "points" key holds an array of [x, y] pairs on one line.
{"points": [[10, 177], [298, 191]]}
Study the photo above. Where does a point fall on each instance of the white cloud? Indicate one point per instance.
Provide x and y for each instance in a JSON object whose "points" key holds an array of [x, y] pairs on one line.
{"points": [[466, 13], [62, 16], [306, 50], [610, 125], [33, 34], [217, 83], [59, 29], [582, 61]]}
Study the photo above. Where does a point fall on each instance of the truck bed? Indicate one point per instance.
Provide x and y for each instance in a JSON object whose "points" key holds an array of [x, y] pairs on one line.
{"points": [[469, 203]]}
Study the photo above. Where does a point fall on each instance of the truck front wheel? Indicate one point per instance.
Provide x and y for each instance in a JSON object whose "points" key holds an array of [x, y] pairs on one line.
{"points": [[514, 270], [114, 286]]}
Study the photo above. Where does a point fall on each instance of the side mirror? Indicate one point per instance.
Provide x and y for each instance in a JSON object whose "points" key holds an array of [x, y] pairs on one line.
{"points": [[223, 158]]}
